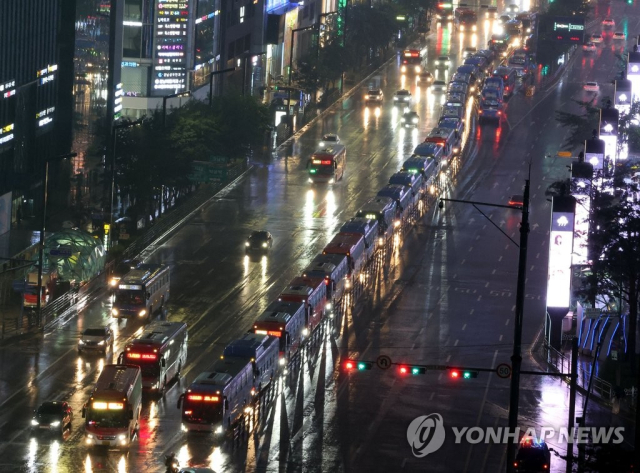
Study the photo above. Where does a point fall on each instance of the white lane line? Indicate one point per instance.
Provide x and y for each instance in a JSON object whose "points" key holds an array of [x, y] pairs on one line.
{"points": [[479, 297], [455, 344], [493, 272], [486, 285], [513, 308], [507, 322], [464, 326], [463, 261], [448, 359], [471, 311], [532, 266], [500, 337], [470, 248], [500, 259], [431, 397]]}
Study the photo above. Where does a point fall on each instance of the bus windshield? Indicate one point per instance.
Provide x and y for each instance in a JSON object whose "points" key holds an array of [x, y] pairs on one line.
{"points": [[517, 60], [130, 297], [210, 411], [107, 418]]}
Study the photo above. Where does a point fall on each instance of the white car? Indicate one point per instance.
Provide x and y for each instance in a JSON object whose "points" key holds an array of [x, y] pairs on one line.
{"points": [[619, 35], [589, 47], [374, 95], [591, 86], [443, 62], [608, 22], [402, 96], [96, 339], [513, 8], [439, 86], [596, 38], [329, 138]]}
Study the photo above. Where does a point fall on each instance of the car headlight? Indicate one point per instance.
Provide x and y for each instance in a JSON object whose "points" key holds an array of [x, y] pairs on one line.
{"points": [[122, 437], [80, 342], [218, 430], [55, 423], [264, 245], [34, 422], [101, 343], [114, 311], [113, 282], [310, 181], [418, 69], [403, 68], [246, 243], [142, 312], [403, 120], [415, 120], [437, 62], [281, 361]]}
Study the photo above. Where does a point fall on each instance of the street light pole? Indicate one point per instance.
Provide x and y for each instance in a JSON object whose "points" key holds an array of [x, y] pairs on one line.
{"points": [[293, 32], [45, 184], [186, 93], [215, 73], [516, 357]]}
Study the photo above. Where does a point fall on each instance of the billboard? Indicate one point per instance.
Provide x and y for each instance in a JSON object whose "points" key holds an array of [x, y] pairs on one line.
{"points": [[560, 250], [172, 38], [568, 29]]}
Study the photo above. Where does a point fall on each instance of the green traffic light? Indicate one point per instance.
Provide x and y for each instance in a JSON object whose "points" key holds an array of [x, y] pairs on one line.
{"points": [[361, 366], [466, 375], [364, 365], [418, 370]]}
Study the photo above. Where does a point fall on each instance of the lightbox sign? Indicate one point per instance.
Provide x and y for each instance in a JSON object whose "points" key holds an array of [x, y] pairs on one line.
{"points": [[569, 29], [171, 30], [273, 5], [609, 132], [633, 74], [622, 97], [594, 153], [560, 249]]}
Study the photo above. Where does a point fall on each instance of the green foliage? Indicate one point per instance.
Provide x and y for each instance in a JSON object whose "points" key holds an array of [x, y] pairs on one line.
{"points": [[580, 125], [370, 29], [628, 128]]}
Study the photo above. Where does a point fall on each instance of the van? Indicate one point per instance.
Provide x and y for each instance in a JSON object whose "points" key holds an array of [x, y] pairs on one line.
{"points": [[508, 75]]}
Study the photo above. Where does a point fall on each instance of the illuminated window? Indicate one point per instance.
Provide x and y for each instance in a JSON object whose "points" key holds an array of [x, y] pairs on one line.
{"points": [[241, 14]]}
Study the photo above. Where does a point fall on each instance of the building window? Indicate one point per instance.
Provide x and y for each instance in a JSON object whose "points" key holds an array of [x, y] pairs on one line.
{"points": [[241, 14], [312, 10]]}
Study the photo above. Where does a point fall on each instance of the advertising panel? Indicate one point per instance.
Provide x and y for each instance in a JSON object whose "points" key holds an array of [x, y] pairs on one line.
{"points": [[560, 249], [569, 29], [170, 59], [5, 213]]}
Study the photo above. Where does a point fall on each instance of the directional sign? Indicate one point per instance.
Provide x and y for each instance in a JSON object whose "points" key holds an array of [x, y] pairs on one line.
{"points": [[503, 370], [63, 251], [383, 362]]}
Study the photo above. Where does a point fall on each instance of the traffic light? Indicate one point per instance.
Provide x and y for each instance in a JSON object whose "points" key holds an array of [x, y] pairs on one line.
{"points": [[462, 374], [413, 370], [352, 365]]}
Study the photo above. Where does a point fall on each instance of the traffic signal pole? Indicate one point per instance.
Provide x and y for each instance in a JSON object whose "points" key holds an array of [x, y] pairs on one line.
{"points": [[516, 357]]}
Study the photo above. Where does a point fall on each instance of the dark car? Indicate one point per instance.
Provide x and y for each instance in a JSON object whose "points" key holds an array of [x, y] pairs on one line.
{"points": [[533, 456], [121, 271], [52, 416], [259, 241], [410, 119], [96, 339]]}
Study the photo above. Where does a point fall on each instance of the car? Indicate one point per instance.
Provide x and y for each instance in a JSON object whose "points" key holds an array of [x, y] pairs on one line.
{"points": [[492, 11], [439, 86], [504, 19], [589, 47], [533, 456], [121, 271], [328, 139], [591, 86], [516, 200], [513, 8], [96, 339], [468, 52], [259, 241], [402, 96], [608, 22], [374, 95], [425, 77], [410, 119], [443, 62], [52, 416], [619, 35], [596, 38]]}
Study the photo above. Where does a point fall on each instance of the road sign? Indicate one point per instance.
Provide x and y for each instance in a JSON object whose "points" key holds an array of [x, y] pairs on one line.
{"points": [[503, 370], [564, 154], [63, 251], [383, 362]]}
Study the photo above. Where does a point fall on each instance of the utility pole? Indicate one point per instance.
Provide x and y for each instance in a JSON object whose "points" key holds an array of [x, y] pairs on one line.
{"points": [[573, 387], [516, 357]]}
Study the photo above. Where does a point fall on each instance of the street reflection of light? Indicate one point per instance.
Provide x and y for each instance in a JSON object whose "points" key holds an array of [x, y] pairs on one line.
{"points": [[33, 449], [367, 114], [308, 210], [414, 137], [138, 332], [403, 80], [54, 456], [331, 211], [79, 369], [100, 365], [416, 95], [122, 464], [216, 462], [245, 263], [474, 40], [377, 112], [263, 267], [183, 455], [87, 464], [153, 415]]}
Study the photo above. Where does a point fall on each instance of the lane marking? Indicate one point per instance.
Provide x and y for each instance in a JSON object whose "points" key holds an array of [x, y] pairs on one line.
{"points": [[464, 326]]}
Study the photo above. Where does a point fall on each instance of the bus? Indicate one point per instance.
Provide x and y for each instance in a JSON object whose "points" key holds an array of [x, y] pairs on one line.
{"points": [[500, 43], [411, 61], [448, 139], [352, 245], [327, 164], [286, 322], [519, 61], [444, 11], [313, 294], [467, 19], [218, 397], [414, 181], [112, 413], [142, 291], [334, 269], [366, 227], [403, 198], [160, 352], [383, 210]]}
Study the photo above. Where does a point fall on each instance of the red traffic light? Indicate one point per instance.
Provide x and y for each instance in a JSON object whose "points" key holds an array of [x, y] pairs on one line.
{"points": [[349, 365], [403, 369], [455, 373]]}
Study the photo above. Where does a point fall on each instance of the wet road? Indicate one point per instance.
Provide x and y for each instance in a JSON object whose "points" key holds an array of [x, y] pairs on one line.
{"points": [[448, 300]]}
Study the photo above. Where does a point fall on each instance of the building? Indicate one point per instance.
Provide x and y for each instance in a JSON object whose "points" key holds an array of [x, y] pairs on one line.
{"points": [[37, 39]]}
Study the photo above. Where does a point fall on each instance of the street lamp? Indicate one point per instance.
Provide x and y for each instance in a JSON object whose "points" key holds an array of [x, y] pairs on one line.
{"points": [[186, 93], [516, 357], [117, 127], [45, 184]]}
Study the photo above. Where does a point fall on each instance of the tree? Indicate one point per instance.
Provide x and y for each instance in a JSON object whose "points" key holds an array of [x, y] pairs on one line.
{"points": [[629, 128], [580, 125], [370, 29]]}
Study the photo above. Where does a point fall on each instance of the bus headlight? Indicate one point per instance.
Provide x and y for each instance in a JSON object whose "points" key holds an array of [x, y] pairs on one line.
{"points": [[305, 331], [396, 223], [474, 28], [34, 422], [55, 423], [264, 245], [418, 68], [380, 241], [328, 306], [415, 120], [113, 282], [403, 69], [310, 181], [142, 313], [246, 243], [218, 430], [331, 181], [114, 311], [281, 361], [89, 440]]}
